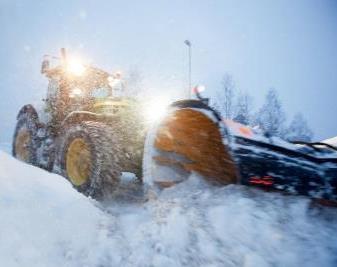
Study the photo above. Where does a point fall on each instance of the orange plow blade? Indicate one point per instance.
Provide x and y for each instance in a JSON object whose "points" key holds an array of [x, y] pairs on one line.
{"points": [[189, 141]]}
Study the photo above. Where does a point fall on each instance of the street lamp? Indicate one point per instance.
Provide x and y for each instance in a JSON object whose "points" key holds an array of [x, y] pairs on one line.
{"points": [[188, 43]]}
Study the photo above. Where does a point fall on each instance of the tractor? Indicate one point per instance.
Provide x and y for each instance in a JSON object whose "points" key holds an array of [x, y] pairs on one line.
{"points": [[86, 130], [91, 133]]}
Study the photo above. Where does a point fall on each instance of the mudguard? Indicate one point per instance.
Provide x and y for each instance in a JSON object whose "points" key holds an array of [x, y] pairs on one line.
{"points": [[28, 109]]}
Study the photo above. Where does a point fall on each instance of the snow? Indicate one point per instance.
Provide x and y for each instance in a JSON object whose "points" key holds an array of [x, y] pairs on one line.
{"points": [[45, 222], [239, 130], [6, 146], [331, 141]]}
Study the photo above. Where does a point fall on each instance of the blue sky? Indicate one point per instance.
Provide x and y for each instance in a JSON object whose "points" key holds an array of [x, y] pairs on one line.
{"points": [[288, 45]]}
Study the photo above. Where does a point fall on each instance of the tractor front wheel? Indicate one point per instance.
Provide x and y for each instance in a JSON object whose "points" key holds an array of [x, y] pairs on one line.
{"points": [[88, 157]]}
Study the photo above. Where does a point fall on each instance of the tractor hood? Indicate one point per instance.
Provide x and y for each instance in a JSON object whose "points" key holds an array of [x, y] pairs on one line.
{"points": [[109, 105]]}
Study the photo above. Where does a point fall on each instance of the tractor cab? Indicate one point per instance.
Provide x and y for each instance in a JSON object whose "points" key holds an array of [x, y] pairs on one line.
{"points": [[74, 86]]}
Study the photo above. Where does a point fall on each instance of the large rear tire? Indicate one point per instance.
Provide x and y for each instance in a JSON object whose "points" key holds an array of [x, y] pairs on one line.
{"points": [[89, 157], [25, 143]]}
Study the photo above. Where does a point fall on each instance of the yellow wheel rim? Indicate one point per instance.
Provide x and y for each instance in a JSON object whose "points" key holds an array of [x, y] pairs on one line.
{"points": [[78, 162], [22, 141]]}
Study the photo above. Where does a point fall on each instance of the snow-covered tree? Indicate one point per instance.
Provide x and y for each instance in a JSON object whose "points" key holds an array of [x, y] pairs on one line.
{"points": [[271, 116], [224, 101], [299, 130], [243, 109]]}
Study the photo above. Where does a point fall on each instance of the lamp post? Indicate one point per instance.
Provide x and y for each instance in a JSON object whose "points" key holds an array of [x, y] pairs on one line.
{"points": [[188, 43]]}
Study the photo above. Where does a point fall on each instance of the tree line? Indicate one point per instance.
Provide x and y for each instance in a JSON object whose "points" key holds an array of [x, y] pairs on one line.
{"points": [[270, 117]]}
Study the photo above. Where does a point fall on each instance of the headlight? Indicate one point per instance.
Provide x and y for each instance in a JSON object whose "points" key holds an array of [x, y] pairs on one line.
{"points": [[76, 92], [156, 109], [75, 67]]}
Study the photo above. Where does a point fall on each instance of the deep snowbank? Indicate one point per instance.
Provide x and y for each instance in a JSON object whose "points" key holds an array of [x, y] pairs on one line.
{"points": [[44, 222]]}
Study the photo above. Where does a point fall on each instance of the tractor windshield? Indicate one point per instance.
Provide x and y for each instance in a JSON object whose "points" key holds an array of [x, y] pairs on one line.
{"points": [[100, 92]]}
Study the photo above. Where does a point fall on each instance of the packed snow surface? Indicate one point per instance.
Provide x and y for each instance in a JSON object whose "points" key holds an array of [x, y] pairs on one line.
{"points": [[45, 222]]}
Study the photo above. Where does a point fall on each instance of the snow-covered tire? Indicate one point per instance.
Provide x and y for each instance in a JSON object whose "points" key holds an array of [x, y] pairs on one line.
{"points": [[25, 142], [105, 158]]}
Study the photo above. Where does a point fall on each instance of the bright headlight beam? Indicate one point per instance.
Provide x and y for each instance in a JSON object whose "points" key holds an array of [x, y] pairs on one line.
{"points": [[75, 66], [156, 109]]}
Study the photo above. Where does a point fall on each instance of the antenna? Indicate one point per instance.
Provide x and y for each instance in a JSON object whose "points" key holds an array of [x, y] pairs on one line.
{"points": [[63, 55]]}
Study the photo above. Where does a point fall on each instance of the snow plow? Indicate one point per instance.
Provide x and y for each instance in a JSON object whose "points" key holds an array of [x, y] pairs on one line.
{"points": [[194, 138], [89, 133]]}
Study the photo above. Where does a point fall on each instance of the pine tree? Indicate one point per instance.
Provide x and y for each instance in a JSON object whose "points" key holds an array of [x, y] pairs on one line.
{"points": [[224, 101], [299, 130], [271, 117], [243, 109]]}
